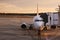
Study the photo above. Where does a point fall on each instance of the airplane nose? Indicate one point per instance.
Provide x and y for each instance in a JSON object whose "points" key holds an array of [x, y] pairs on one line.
{"points": [[39, 25], [38, 22]]}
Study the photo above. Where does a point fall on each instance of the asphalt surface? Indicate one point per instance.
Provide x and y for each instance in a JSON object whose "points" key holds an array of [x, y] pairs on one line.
{"points": [[10, 30], [15, 33]]}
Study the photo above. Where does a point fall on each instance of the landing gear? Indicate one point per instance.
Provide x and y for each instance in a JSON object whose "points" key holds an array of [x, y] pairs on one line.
{"points": [[39, 34], [31, 27]]}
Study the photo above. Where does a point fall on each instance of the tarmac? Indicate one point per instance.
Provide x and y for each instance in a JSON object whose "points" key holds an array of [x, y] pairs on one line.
{"points": [[10, 30], [15, 33]]}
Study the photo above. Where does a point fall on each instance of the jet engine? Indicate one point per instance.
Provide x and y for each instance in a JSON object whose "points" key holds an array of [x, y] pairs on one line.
{"points": [[23, 26]]}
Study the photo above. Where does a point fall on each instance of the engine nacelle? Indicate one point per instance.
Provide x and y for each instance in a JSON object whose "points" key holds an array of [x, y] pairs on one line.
{"points": [[23, 26]]}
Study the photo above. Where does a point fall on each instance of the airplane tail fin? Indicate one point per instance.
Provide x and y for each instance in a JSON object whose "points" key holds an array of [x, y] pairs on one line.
{"points": [[37, 9]]}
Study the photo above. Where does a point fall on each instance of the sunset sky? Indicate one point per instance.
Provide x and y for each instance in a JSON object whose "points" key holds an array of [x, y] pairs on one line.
{"points": [[28, 6]]}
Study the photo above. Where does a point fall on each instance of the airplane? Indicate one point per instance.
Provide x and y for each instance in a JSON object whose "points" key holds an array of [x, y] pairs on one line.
{"points": [[38, 23]]}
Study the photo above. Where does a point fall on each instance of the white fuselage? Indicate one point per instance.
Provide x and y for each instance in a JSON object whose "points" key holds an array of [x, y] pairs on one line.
{"points": [[38, 22]]}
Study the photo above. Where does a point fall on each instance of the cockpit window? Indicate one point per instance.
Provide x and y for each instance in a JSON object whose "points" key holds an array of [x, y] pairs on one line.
{"points": [[38, 20]]}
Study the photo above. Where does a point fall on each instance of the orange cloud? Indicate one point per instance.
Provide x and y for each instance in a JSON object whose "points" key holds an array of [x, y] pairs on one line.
{"points": [[9, 8]]}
